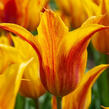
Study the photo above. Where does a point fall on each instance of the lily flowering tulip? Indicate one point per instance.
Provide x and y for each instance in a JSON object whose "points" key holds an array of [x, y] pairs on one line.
{"points": [[21, 12], [10, 80], [22, 51], [62, 54], [80, 98]]}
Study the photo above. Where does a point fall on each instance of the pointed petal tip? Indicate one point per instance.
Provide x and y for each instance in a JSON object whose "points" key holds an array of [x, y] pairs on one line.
{"points": [[104, 107]]}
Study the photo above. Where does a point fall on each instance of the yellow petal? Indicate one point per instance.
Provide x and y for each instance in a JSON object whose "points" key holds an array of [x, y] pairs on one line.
{"points": [[91, 8], [4, 39], [81, 97], [24, 34], [9, 84], [100, 39], [8, 56], [32, 88], [73, 46]]}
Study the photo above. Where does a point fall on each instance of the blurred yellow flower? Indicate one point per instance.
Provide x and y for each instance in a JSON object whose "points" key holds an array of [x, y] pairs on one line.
{"points": [[74, 11], [22, 51], [10, 80], [21, 12]]}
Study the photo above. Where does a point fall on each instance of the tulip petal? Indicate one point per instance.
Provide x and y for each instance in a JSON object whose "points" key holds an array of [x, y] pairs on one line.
{"points": [[100, 39], [90, 6], [23, 33], [50, 33], [68, 9], [71, 51], [9, 84], [4, 39], [81, 97]]}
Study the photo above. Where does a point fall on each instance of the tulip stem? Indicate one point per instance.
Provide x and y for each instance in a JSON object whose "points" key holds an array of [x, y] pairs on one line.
{"points": [[37, 103], [59, 99]]}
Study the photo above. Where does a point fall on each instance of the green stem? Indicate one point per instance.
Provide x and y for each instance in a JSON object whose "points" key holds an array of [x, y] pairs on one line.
{"points": [[59, 99], [36, 103]]}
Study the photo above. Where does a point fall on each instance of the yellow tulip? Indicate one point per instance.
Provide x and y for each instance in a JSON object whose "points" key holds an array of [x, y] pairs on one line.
{"points": [[62, 54], [23, 51], [21, 12], [10, 80], [80, 98]]}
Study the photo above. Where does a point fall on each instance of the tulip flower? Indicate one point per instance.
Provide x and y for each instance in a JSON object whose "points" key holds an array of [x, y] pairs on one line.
{"points": [[76, 15], [22, 51], [10, 80], [21, 12], [62, 54], [80, 98]]}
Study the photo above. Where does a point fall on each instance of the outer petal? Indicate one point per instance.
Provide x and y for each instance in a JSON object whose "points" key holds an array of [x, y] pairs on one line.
{"points": [[9, 85], [50, 33], [100, 40], [81, 97], [71, 53], [24, 34]]}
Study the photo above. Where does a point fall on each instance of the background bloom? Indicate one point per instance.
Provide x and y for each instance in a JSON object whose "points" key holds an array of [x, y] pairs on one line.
{"points": [[22, 51], [22, 12], [10, 80]]}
